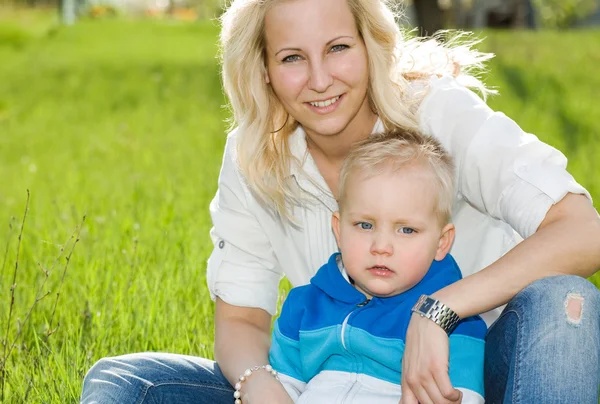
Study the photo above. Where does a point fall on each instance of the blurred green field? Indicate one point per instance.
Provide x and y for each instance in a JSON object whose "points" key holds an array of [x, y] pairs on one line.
{"points": [[123, 122]]}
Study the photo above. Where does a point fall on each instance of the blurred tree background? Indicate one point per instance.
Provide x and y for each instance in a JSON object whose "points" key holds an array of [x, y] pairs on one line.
{"points": [[428, 15], [565, 13], [432, 15]]}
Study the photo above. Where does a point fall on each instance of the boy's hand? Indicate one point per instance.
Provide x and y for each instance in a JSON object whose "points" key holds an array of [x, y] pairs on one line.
{"points": [[262, 388], [425, 378]]}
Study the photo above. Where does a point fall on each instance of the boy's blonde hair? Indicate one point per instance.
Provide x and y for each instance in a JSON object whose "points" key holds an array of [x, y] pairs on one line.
{"points": [[394, 150], [395, 60]]}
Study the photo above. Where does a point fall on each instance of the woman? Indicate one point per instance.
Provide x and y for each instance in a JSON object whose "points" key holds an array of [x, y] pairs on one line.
{"points": [[307, 79]]}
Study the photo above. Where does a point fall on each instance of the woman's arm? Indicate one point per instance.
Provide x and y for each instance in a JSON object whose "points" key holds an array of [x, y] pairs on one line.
{"points": [[242, 340], [513, 177], [243, 276], [566, 243]]}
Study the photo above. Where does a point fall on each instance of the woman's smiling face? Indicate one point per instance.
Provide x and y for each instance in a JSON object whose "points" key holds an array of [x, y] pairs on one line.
{"points": [[317, 64]]}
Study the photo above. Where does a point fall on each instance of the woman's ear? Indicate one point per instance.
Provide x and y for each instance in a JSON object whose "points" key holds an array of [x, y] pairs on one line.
{"points": [[446, 240], [267, 78], [335, 224]]}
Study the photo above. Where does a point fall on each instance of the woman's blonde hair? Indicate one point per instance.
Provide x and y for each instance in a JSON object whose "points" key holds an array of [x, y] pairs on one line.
{"points": [[263, 125], [394, 150]]}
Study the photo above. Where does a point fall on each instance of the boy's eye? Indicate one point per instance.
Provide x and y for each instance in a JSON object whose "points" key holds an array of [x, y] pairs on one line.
{"points": [[291, 59], [365, 225], [338, 48], [406, 230]]}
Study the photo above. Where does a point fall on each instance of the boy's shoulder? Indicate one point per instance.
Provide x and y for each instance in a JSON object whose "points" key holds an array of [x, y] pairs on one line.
{"points": [[299, 307], [301, 293], [441, 274], [316, 305], [451, 267], [301, 298]]}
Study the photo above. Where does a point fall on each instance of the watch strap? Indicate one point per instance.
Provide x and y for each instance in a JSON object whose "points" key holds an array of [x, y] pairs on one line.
{"points": [[437, 312]]}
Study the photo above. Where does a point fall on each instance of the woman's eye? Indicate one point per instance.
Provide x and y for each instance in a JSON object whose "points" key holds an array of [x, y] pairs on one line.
{"points": [[365, 225], [291, 59], [338, 48], [406, 230]]}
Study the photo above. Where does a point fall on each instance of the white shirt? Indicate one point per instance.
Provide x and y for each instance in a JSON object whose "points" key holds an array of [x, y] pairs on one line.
{"points": [[506, 179]]}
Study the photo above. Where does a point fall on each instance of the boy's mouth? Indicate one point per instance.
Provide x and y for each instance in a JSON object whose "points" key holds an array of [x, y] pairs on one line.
{"points": [[380, 270]]}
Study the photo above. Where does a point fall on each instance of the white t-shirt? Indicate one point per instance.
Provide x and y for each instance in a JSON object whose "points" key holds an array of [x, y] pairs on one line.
{"points": [[506, 179]]}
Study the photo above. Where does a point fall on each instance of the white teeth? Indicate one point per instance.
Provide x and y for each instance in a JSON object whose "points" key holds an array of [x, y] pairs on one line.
{"points": [[325, 103]]}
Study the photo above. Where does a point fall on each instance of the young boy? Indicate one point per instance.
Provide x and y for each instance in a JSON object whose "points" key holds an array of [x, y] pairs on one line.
{"points": [[340, 339]]}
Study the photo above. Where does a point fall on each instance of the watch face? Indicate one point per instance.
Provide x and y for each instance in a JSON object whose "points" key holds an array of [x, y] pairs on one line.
{"points": [[427, 304]]}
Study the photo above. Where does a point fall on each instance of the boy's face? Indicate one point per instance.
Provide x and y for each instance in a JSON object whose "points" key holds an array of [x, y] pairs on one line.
{"points": [[389, 232]]}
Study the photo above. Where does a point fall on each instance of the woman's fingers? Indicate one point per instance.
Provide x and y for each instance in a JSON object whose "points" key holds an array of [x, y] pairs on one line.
{"points": [[442, 381], [430, 393], [425, 377], [425, 391], [434, 393], [432, 388], [440, 396], [408, 397]]}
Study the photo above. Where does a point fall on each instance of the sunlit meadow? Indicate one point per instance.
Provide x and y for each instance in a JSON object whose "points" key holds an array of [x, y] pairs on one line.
{"points": [[123, 123]]}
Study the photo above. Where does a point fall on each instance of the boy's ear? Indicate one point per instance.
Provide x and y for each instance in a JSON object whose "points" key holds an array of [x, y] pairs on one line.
{"points": [[446, 240], [335, 224]]}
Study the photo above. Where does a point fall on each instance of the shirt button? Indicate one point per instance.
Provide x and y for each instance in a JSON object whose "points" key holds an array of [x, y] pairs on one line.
{"points": [[221, 244]]}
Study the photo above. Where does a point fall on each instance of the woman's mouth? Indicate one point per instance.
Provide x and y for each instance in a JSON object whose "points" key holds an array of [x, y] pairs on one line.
{"points": [[325, 106]]}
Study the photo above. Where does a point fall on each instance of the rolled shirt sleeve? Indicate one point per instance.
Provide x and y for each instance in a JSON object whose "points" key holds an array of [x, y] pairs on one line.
{"points": [[242, 269], [501, 170]]}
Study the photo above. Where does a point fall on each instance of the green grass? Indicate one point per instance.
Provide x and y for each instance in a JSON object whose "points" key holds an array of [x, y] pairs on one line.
{"points": [[123, 122]]}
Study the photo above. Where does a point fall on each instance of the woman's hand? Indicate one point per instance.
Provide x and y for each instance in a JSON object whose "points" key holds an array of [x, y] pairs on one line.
{"points": [[425, 378], [262, 388]]}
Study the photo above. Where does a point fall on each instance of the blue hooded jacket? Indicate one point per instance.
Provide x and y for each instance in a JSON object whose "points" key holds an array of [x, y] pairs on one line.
{"points": [[328, 325]]}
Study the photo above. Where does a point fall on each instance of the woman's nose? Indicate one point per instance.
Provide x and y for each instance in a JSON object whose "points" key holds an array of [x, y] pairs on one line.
{"points": [[320, 78]]}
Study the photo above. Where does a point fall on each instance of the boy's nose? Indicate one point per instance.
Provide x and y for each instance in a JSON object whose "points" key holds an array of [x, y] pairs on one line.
{"points": [[382, 245]]}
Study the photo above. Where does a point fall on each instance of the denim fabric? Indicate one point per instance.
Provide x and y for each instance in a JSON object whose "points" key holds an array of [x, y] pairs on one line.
{"points": [[534, 354], [153, 378]]}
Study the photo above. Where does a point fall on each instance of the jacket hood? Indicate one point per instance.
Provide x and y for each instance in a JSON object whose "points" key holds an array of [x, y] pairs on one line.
{"points": [[330, 280]]}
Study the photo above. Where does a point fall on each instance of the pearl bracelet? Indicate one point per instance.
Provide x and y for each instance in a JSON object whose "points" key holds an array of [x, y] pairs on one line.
{"points": [[247, 373]]}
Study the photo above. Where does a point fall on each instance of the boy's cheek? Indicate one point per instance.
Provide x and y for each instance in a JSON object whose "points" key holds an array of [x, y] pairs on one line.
{"points": [[353, 246]]}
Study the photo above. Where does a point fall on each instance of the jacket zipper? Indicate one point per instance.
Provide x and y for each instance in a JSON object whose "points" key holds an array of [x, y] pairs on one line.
{"points": [[344, 328], [345, 323], [345, 399], [343, 335]]}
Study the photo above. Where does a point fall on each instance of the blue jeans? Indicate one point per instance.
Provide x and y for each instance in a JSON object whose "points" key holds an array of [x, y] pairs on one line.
{"points": [[535, 353]]}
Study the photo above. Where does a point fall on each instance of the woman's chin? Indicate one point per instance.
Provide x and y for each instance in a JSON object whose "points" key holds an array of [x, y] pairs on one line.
{"points": [[326, 126]]}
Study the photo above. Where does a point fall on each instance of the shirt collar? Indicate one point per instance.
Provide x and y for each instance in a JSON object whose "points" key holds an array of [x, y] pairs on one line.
{"points": [[306, 173]]}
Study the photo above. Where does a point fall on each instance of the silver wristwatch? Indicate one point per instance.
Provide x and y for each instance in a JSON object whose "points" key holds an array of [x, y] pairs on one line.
{"points": [[437, 312]]}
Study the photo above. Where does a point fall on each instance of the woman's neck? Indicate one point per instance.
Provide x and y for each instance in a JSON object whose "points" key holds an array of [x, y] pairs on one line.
{"points": [[333, 149], [329, 151]]}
